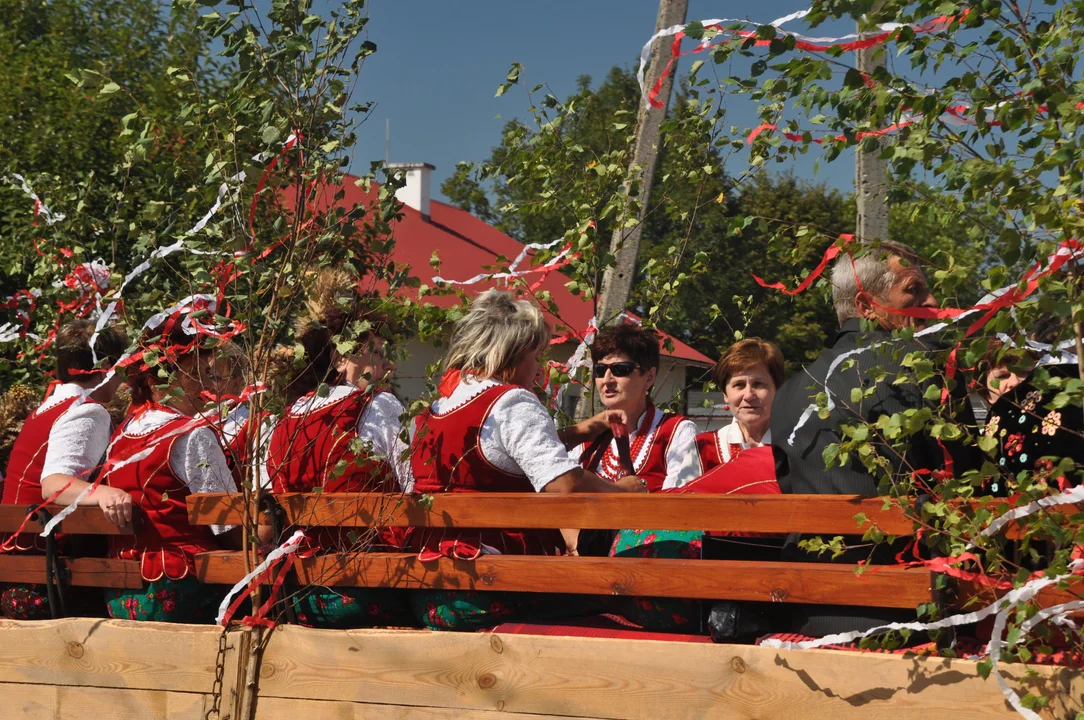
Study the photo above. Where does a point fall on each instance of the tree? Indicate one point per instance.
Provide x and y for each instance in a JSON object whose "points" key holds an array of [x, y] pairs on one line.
{"points": [[721, 302]]}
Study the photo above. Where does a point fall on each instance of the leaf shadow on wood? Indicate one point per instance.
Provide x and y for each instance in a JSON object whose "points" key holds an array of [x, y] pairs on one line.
{"points": [[921, 676]]}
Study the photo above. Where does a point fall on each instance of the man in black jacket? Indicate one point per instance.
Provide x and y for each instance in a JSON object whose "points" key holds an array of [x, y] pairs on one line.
{"points": [[865, 356]]}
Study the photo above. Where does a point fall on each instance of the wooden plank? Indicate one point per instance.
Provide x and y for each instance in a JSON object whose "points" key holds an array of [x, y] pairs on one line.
{"points": [[739, 513], [109, 654], [84, 521], [814, 583], [83, 572], [273, 708], [52, 702], [632, 679]]}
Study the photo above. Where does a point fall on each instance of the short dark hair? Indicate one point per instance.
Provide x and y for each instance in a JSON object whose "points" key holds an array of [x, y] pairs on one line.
{"points": [[74, 357], [747, 354], [641, 345]]}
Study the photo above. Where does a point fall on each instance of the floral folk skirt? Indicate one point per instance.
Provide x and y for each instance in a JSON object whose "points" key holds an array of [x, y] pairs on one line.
{"points": [[340, 608], [659, 614], [178, 601], [24, 602]]}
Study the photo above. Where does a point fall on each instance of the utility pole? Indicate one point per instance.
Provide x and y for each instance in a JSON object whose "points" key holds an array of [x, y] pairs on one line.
{"points": [[870, 171], [625, 242]]}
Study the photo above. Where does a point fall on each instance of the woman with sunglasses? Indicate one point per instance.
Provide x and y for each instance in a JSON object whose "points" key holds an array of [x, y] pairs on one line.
{"points": [[487, 432], [661, 449], [662, 446]]}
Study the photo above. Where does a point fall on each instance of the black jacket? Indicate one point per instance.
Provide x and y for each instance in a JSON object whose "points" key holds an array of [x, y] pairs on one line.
{"points": [[800, 467]]}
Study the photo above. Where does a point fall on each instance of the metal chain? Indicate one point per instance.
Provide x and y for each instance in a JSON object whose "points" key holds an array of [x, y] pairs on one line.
{"points": [[215, 712]]}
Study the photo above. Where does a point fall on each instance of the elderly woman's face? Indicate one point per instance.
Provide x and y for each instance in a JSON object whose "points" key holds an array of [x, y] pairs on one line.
{"points": [[750, 393], [621, 383]]}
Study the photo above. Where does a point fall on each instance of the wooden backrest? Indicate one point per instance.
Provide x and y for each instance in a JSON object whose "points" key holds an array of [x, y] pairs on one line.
{"points": [[816, 583], [705, 579], [84, 521], [822, 514], [79, 571]]}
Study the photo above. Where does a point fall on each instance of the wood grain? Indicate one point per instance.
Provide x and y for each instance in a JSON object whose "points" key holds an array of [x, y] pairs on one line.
{"points": [[109, 653], [53, 702], [84, 521], [272, 708], [83, 572], [707, 579], [744, 513], [633, 679]]}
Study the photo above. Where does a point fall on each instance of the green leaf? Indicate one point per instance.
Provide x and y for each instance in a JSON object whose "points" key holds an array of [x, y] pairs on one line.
{"points": [[270, 135], [109, 88]]}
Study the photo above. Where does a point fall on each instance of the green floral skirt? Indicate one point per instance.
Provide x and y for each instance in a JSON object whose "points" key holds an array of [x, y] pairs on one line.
{"points": [[340, 608], [177, 601], [659, 614], [467, 610]]}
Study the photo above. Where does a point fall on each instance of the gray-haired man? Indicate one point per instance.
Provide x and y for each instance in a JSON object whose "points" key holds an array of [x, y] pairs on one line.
{"points": [[867, 291]]}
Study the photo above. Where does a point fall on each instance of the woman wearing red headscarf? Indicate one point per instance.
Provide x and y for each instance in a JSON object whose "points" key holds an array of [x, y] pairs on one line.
{"points": [[162, 453]]}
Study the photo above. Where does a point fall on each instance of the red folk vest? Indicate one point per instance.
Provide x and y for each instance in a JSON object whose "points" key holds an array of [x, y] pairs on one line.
{"points": [[652, 469], [166, 544], [711, 452], [22, 482], [311, 449], [446, 456]]}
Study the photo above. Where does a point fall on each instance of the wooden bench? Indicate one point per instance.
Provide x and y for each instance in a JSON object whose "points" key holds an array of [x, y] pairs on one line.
{"points": [[791, 582], [58, 572]]}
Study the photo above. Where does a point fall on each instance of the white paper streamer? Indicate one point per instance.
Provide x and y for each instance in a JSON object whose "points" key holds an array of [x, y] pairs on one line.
{"points": [[512, 272], [578, 358], [284, 549], [40, 208], [1021, 594], [645, 52]]}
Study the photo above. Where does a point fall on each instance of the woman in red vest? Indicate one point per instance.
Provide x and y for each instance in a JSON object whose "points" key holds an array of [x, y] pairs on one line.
{"points": [[662, 445], [62, 444], [487, 432], [343, 434], [749, 373], [162, 453]]}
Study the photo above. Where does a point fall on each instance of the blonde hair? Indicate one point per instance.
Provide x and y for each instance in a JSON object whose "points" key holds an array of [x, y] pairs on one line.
{"points": [[497, 331]]}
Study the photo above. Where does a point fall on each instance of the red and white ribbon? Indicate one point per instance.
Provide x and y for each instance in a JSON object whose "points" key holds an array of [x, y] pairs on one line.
{"points": [[578, 359], [40, 208], [159, 253], [722, 26], [558, 261], [290, 546]]}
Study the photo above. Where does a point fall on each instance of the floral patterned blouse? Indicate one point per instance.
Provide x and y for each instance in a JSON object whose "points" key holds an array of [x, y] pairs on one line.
{"points": [[1034, 436]]}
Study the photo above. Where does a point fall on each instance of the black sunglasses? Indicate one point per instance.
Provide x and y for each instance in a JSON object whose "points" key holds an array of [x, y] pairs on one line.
{"points": [[619, 369]]}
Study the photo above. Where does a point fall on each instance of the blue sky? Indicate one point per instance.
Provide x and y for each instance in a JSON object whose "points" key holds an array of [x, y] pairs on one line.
{"points": [[438, 64]]}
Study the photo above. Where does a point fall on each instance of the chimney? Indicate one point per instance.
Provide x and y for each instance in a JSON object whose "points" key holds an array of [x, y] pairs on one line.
{"points": [[415, 193]]}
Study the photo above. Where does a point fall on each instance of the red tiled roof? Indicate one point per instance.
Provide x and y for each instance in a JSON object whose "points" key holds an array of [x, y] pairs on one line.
{"points": [[467, 246]]}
